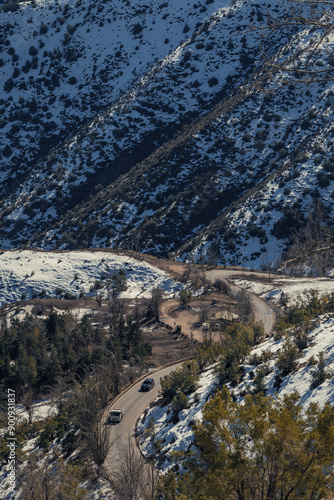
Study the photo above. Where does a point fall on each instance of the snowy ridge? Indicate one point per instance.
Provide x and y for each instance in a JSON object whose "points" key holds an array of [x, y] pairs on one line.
{"points": [[320, 339], [28, 274], [147, 121]]}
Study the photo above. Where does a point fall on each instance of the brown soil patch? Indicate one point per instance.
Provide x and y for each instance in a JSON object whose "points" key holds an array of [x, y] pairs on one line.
{"points": [[167, 345], [219, 308], [175, 269]]}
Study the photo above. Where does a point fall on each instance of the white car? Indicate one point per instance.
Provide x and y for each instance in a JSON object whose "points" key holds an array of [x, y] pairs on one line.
{"points": [[116, 415]]}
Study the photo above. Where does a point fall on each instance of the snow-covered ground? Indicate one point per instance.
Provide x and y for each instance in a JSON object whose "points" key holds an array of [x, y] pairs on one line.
{"points": [[293, 289], [178, 437], [25, 273], [320, 339], [40, 411]]}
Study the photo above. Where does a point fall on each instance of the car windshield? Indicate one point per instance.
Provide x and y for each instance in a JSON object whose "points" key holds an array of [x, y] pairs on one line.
{"points": [[115, 413]]}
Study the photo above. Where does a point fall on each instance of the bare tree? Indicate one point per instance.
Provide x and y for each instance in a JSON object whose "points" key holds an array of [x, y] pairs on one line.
{"points": [[150, 431], [99, 298], [90, 403], [28, 402], [117, 307], [313, 244], [130, 479], [245, 305], [222, 286], [203, 314], [258, 331], [296, 16], [134, 372], [50, 479], [213, 253], [57, 394]]}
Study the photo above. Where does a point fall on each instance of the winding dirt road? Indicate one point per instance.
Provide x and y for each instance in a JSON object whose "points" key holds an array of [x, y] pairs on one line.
{"points": [[263, 312]]}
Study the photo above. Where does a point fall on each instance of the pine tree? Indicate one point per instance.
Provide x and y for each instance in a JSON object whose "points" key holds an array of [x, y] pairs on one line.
{"points": [[318, 375], [54, 369], [263, 448]]}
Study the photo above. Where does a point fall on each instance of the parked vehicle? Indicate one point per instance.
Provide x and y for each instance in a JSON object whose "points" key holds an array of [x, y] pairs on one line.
{"points": [[116, 415], [147, 385]]}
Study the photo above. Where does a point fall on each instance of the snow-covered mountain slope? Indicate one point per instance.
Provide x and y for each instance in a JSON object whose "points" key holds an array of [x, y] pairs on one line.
{"points": [[288, 292], [64, 63], [26, 274], [180, 437], [165, 92], [159, 123]]}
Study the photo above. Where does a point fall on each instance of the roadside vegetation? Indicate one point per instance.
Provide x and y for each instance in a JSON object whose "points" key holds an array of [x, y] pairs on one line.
{"points": [[78, 365], [263, 449], [228, 355], [309, 307]]}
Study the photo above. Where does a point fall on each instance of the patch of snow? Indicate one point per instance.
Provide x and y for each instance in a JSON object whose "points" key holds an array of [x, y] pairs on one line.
{"points": [[25, 272]]}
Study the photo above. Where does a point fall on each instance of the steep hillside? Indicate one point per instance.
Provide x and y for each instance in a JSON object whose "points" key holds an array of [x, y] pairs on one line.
{"points": [[262, 371], [64, 64], [157, 125]]}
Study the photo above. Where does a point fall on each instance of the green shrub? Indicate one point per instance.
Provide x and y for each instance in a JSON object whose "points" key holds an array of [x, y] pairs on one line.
{"points": [[263, 448], [310, 306], [238, 340], [247, 138], [137, 28], [213, 81], [266, 356], [258, 381], [185, 297], [183, 379], [255, 231], [286, 358], [179, 402], [291, 221], [319, 374], [48, 434], [312, 361], [207, 353], [255, 359], [300, 338]]}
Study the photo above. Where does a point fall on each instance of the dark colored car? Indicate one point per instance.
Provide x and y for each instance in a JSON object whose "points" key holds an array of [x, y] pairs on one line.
{"points": [[147, 385]]}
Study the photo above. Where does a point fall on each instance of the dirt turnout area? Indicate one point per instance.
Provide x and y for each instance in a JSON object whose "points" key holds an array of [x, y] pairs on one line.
{"points": [[167, 344], [202, 311]]}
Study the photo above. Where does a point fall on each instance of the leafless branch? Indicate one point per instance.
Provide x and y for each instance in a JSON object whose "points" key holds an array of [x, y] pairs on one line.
{"points": [[302, 66]]}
